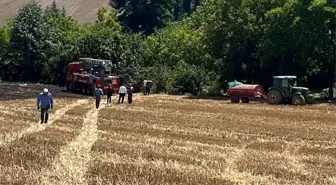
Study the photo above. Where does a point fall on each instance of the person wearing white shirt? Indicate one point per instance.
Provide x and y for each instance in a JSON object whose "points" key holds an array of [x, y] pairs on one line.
{"points": [[122, 93], [144, 87]]}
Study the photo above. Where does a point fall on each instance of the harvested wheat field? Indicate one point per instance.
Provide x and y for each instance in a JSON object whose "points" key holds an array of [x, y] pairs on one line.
{"points": [[81, 10], [163, 139]]}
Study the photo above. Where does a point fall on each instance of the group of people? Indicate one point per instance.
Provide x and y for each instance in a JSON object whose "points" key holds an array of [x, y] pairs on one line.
{"points": [[109, 93], [45, 100]]}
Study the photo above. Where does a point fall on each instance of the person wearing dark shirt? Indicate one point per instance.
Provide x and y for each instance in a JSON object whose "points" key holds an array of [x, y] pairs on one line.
{"points": [[130, 95], [98, 93], [109, 93]]}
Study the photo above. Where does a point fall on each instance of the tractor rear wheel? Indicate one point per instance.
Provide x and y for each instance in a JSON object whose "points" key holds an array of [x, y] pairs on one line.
{"points": [[298, 100], [274, 97]]}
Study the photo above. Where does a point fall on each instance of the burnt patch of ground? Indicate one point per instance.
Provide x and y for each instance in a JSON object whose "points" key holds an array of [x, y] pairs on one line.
{"points": [[18, 91]]}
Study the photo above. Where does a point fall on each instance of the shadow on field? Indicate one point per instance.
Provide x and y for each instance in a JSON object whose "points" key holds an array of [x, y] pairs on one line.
{"points": [[323, 101], [223, 98], [17, 91], [226, 98]]}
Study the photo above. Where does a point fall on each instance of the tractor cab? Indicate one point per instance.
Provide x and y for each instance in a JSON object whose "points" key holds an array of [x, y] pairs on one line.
{"points": [[288, 85], [285, 89]]}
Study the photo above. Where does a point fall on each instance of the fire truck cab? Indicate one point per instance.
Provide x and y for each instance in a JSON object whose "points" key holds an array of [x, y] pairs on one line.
{"points": [[87, 73]]}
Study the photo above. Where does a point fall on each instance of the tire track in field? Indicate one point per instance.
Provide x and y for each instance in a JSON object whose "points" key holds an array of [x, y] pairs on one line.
{"points": [[71, 165], [232, 173], [37, 127], [76, 7]]}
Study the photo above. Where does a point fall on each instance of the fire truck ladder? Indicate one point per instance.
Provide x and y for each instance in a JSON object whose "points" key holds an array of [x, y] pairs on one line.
{"points": [[90, 62], [104, 66]]}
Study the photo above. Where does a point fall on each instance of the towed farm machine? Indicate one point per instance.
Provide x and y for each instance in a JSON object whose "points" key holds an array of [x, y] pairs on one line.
{"points": [[284, 90], [84, 75]]}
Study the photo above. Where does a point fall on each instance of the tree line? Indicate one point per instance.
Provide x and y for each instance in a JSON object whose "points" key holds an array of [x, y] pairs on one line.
{"points": [[184, 46]]}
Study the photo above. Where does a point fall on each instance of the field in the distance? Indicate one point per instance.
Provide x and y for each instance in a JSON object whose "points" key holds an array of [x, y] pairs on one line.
{"points": [[163, 139], [81, 10]]}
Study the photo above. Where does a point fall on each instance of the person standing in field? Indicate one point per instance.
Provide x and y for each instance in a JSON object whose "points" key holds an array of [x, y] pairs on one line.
{"points": [[130, 95], [122, 93], [144, 87], [45, 103], [109, 94], [148, 85], [98, 93]]}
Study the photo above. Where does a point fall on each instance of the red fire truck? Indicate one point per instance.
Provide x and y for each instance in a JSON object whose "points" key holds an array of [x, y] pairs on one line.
{"points": [[84, 75]]}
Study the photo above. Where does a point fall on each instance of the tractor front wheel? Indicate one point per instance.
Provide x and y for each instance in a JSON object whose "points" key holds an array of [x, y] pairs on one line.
{"points": [[274, 97], [310, 99], [298, 100]]}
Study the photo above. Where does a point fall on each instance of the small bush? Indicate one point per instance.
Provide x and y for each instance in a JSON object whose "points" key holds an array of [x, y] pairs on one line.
{"points": [[186, 78]]}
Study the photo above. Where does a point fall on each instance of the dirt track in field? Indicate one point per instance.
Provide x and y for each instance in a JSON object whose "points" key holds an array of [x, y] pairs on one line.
{"points": [[163, 139], [81, 10]]}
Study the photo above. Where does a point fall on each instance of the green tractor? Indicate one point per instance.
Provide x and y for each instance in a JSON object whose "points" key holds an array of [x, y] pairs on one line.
{"points": [[284, 90]]}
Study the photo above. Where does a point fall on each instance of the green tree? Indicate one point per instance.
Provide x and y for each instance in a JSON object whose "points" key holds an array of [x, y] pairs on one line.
{"points": [[4, 43], [66, 33], [186, 78], [53, 10], [144, 16], [108, 19], [102, 39], [4, 40], [299, 39], [322, 14], [30, 45]]}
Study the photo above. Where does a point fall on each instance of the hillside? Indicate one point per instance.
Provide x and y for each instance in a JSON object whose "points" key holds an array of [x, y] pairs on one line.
{"points": [[81, 10]]}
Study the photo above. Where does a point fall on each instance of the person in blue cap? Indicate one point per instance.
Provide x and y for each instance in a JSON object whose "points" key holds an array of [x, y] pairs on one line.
{"points": [[45, 103]]}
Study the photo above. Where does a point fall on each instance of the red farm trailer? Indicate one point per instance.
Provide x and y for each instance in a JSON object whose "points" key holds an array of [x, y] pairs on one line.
{"points": [[87, 73], [246, 92]]}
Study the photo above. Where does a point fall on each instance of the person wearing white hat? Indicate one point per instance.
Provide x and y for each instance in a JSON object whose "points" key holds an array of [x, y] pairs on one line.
{"points": [[45, 102]]}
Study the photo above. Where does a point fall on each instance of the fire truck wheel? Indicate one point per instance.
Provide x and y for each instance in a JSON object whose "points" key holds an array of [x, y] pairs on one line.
{"points": [[235, 99], [91, 93], [245, 100], [83, 90], [67, 86]]}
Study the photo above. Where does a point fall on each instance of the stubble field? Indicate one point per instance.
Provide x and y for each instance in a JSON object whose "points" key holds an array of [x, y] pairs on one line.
{"points": [[163, 139], [81, 10]]}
